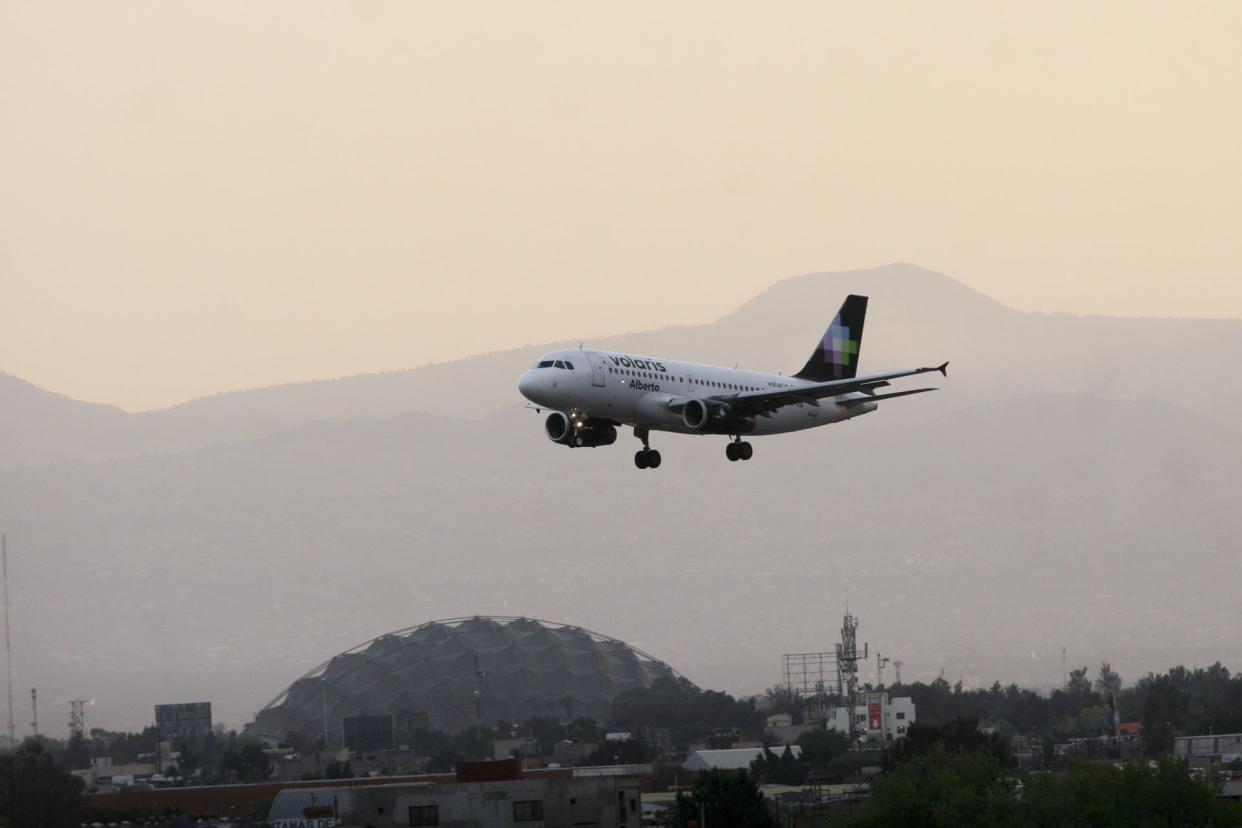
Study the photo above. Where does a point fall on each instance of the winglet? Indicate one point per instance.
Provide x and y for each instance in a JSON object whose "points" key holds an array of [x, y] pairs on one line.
{"points": [[942, 368]]}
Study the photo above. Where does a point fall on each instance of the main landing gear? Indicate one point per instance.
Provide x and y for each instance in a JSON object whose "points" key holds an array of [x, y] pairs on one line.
{"points": [[738, 450], [648, 458]]}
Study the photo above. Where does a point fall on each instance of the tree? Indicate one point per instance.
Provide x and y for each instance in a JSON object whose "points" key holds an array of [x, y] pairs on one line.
{"points": [[1078, 687], [691, 713], [250, 764], [727, 798], [547, 732], [77, 755], [475, 743], [189, 761], [584, 729], [34, 791], [958, 736], [1165, 708], [943, 787], [781, 699], [338, 770], [779, 770], [1107, 681], [1097, 793], [819, 747]]}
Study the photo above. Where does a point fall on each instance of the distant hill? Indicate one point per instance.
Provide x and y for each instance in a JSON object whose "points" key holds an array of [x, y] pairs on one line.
{"points": [[978, 541], [37, 426], [916, 317]]}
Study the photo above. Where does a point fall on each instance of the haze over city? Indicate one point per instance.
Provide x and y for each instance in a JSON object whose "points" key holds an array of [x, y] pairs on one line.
{"points": [[269, 275], [208, 197]]}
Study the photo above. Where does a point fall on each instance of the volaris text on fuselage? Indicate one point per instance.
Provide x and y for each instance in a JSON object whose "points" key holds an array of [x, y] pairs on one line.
{"points": [[590, 393]]}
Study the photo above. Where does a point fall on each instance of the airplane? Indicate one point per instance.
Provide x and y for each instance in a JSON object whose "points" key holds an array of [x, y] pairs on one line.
{"points": [[590, 393]]}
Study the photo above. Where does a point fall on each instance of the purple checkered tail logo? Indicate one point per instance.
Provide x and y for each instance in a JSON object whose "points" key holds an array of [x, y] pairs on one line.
{"points": [[839, 349]]}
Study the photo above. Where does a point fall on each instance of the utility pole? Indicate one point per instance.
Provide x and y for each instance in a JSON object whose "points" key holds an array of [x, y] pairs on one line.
{"points": [[8, 646], [478, 695], [323, 690], [880, 662]]}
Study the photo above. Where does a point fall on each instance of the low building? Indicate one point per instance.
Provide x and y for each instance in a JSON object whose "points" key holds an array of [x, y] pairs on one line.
{"points": [[1219, 747], [569, 754], [602, 801], [103, 775], [731, 759], [523, 747]]}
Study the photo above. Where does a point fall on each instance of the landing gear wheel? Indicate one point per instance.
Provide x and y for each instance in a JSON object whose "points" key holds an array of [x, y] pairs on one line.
{"points": [[641, 460], [653, 459], [731, 452], [744, 451]]}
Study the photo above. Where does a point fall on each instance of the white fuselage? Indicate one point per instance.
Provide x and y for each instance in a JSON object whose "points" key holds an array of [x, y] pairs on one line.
{"points": [[637, 391]]}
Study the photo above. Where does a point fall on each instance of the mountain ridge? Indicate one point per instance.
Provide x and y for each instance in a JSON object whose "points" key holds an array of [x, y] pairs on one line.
{"points": [[916, 316]]}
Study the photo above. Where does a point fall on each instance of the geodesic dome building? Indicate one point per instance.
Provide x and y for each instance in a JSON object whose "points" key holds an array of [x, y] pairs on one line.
{"points": [[462, 670]]}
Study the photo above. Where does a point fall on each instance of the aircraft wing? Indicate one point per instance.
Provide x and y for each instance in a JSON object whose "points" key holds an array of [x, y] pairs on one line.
{"points": [[768, 400]]}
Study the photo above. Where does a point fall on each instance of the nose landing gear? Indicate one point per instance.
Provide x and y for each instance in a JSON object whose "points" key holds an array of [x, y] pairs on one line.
{"points": [[647, 458], [739, 450]]}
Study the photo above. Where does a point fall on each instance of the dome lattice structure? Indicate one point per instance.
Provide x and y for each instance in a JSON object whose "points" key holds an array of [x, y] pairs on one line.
{"points": [[462, 670]]}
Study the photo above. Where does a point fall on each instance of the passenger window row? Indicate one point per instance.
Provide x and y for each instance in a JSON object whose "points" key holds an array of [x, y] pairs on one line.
{"points": [[648, 375]]}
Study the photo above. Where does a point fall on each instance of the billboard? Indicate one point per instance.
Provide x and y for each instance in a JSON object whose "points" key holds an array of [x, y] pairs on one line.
{"points": [[874, 719], [369, 732], [184, 724]]}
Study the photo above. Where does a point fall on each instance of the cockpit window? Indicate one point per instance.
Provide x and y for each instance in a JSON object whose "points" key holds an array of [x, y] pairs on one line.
{"points": [[559, 364], [546, 363], [569, 365]]}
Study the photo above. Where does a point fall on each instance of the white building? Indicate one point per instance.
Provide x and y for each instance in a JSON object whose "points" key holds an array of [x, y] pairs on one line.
{"points": [[878, 718]]}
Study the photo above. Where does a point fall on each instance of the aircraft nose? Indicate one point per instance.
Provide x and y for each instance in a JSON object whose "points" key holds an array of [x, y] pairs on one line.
{"points": [[526, 385]]}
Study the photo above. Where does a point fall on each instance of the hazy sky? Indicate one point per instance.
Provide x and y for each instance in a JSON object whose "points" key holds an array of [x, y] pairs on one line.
{"points": [[207, 196]]}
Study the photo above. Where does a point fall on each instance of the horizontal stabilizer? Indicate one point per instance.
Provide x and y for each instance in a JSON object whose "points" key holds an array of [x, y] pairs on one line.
{"points": [[877, 397]]}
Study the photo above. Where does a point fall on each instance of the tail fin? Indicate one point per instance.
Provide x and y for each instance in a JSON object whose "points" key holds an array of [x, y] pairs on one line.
{"points": [[836, 355]]}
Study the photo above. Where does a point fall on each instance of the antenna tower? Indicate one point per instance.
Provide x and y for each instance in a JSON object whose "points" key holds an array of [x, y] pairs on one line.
{"points": [[897, 664], [77, 717], [34, 710], [8, 646], [880, 662], [847, 665]]}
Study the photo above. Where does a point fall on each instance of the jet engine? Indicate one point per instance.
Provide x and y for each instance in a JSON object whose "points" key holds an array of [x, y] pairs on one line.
{"points": [[586, 433], [698, 414], [558, 427]]}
